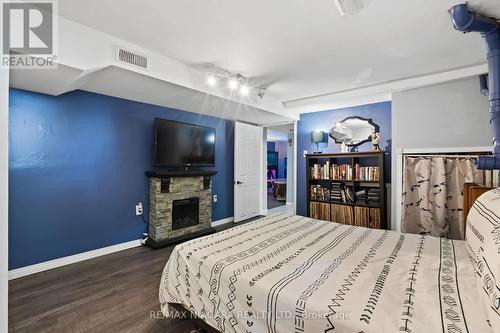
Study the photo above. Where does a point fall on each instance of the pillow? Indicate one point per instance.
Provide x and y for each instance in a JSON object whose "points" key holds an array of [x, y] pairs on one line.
{"points": [[483, 243]]}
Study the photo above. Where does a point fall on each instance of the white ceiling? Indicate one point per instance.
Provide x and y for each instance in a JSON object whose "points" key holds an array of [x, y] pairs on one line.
{"points": [[138, 87], [297, 48]]}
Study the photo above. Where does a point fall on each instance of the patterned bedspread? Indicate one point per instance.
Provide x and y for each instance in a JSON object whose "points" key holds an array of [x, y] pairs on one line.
{"points": [[295, 274]]}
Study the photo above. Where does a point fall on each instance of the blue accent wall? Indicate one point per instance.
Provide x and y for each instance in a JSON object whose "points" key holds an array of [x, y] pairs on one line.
{"points": [[379, 112], [76, 171]]}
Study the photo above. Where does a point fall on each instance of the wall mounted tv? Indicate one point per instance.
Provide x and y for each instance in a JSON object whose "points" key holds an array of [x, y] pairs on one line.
{"points": [[181, 145]]}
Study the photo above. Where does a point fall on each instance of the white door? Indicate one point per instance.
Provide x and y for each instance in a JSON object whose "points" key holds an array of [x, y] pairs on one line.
{"points": [[248, 166]]}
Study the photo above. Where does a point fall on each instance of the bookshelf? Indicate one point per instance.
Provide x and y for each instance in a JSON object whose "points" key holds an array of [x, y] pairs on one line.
{"points": [[347, 188]]}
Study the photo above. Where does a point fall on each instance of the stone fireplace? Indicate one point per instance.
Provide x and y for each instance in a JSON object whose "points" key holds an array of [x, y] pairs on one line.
{"points": [[180, 206]]}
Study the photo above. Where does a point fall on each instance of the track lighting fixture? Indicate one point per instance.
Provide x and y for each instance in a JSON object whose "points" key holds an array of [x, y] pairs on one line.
{"points": [[261, 93], [244, 90], [211, 80], [233, 82]]}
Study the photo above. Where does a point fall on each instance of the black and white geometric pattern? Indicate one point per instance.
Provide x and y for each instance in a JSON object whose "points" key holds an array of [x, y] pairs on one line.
{"points": [[295, 274]]}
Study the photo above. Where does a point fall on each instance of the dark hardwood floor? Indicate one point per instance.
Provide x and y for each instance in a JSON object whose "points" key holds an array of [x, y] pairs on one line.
{"points": [[113, 293]]}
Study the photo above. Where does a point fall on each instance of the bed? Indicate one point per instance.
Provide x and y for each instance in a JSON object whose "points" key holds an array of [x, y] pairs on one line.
{"points": [[295, 274]]}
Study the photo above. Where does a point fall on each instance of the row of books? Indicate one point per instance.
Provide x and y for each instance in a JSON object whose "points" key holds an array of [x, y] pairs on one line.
{"points": [[344, 172], [368, 196], [319, 211], [341, 193], [358, 216], [371, 173], [334, 171], [367, 217], [320, 193], [342, 214]]}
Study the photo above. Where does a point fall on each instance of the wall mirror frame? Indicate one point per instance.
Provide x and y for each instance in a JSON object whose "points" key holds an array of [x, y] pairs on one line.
{"points": [[354, 131]]}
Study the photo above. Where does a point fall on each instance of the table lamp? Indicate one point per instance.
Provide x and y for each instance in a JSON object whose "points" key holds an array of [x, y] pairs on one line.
{"points": [[318, 137]]}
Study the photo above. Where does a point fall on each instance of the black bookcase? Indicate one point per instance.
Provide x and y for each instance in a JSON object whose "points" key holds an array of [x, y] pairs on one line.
{"points": [[351, 207]]}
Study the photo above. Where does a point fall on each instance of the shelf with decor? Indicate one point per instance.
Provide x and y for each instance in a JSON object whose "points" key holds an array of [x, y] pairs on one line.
{"points": [[347, 188]]}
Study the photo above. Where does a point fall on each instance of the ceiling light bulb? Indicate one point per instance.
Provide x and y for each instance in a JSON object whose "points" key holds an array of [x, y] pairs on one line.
{"points": [[211, 81], [244, 90], [233, 84]]}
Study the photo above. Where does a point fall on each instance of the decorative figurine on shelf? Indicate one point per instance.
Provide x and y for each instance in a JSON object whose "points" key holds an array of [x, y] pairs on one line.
{"points": [[344, 148], [376, 141]]}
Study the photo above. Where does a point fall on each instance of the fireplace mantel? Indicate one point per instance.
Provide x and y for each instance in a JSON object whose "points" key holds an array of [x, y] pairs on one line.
{"points": [[180, 173]]}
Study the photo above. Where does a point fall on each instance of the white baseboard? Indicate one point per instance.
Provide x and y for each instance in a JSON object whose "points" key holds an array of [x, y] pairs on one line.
{"points": [[51, 264], [45, 266], [223, 221]]}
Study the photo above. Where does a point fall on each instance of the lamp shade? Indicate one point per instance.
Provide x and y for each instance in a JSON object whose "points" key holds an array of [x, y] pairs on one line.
{"points": [[318, 136]]}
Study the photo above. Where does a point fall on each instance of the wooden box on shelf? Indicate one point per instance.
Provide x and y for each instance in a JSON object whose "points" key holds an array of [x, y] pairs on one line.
{"points": [[347, 188]]}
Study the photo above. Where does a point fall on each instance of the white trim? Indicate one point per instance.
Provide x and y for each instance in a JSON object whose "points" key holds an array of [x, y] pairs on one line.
{"points": [[446, 150], [51, 264], [222, 221], [296, 167], [281, 123], [378, 92]]}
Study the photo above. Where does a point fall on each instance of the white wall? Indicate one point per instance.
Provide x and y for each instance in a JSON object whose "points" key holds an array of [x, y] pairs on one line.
{"points": [[4, 158], [438, 117]]}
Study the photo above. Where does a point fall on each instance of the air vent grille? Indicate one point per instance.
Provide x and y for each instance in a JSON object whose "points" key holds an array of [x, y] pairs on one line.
{"points": [[132, 58]]}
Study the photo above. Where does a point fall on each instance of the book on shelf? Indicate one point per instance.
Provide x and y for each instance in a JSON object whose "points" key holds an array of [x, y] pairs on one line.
{"points": [[373, 196], [319, 211], [320, 193], [370, 196], [367, 217], [332, 171], [341, 193], [367, 173], [342, 214]]}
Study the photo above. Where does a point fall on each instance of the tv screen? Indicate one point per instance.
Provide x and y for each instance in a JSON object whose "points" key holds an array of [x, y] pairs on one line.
{"points": [[181, 144]]}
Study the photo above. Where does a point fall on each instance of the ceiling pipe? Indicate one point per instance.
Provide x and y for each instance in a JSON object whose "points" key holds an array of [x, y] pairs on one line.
{"points": [[465, 21]]}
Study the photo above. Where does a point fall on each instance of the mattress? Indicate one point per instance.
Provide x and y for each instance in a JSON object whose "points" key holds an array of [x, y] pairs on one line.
{"points": [[295, 274]]}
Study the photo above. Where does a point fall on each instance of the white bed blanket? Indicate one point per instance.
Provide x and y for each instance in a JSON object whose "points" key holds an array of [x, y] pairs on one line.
{"points": [[295, 274]]}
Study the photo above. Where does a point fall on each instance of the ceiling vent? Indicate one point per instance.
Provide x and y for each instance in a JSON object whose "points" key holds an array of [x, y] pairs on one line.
{"points": [[131, 58], [348, 7]]}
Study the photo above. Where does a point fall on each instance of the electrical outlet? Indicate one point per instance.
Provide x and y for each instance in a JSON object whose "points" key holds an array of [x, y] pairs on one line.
{"points": [[216, 197], [138, 209]]}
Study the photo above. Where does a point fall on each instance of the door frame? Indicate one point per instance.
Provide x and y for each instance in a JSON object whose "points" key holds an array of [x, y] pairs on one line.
{"points": [[4, 192], [290, 202]]}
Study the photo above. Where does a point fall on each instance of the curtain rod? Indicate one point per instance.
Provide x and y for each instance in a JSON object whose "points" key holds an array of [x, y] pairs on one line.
{"points": [[443, 155]]}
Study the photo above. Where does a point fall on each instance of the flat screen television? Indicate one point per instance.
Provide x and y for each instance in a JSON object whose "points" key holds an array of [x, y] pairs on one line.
{"points": [[179, 144]]}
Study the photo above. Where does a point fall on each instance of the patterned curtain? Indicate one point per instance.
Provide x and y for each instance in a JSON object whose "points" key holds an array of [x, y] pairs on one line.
{"points": [[433, 195]]}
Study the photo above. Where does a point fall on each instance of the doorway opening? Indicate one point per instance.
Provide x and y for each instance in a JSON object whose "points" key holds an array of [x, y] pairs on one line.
{"points": [[279, 166]]}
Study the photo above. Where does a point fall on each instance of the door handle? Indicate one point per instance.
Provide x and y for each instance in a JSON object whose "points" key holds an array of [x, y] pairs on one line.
{"points": [[238, 182]]}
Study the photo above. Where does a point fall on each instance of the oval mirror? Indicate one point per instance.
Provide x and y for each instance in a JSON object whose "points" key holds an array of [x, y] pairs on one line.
{"points": [[353, 131]]}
